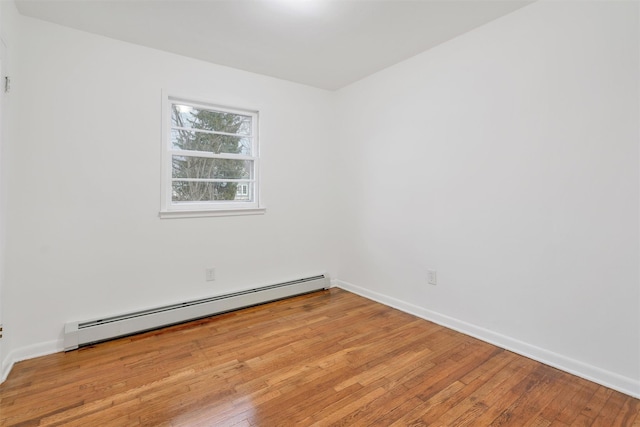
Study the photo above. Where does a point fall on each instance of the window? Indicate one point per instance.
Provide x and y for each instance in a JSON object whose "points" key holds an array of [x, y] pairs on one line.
{"points": [[243, 191], [210, 160]]}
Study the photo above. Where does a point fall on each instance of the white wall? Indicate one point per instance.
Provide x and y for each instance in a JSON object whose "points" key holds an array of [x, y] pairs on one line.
{"points": [[8, 13], [84, 235], [507, 160]]}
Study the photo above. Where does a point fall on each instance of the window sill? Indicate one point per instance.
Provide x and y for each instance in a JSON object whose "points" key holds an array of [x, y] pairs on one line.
{"points": [[216, 212]]}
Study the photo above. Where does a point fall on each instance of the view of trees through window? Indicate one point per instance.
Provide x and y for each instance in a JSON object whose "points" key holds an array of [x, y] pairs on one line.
{"points": [[212, 155]]}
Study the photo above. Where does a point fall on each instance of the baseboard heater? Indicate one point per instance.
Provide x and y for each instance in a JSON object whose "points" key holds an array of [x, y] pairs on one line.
{"points": [[78, 334]]}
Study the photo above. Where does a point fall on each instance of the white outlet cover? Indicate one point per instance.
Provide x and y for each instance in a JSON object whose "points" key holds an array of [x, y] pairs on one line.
{"points": [[432, 277]]}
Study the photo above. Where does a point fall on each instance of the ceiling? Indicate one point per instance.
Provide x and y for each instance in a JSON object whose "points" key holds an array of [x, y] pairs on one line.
{"points": [[323, 43]]}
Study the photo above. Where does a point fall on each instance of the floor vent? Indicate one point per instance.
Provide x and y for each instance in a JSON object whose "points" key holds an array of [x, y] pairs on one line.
{"points": [[78, 334]]}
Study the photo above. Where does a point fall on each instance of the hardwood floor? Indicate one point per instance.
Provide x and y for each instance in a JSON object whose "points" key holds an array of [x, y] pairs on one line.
{"points": [[328, 358]]}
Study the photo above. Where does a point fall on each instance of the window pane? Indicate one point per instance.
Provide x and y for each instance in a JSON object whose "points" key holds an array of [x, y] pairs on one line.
{"points": [[198, 141], [210, 191], [204, 168], [190, 117]]}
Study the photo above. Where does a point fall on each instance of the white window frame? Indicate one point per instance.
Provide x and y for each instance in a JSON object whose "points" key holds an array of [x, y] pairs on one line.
{"points": [[170, 209]]}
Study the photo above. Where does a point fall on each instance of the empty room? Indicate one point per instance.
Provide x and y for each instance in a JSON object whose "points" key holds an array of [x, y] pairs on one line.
{"points": [[319, 212]]}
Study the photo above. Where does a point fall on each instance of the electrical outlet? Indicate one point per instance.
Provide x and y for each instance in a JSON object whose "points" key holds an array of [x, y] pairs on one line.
{"points": [[432, 277], [210, 274]]}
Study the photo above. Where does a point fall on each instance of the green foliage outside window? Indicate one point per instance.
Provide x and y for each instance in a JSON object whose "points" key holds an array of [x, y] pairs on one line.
{"points": [[193, 130]]}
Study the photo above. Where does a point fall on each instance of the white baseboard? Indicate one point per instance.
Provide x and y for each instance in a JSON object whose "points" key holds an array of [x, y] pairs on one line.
{"points": [[592, 373], [29, 352], [7, 366]]}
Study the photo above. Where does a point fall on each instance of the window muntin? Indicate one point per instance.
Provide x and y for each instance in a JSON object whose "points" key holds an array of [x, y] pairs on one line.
{"points": [[210, 158]]}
